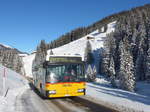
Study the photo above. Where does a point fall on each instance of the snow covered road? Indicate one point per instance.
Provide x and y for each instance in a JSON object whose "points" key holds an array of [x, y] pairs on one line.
{"points": [[27, 100], [30, 102], [21, 97], [34, 103]]}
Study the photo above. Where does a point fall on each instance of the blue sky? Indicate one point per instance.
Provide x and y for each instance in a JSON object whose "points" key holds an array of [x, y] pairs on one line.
{"points": [[23, 23]]}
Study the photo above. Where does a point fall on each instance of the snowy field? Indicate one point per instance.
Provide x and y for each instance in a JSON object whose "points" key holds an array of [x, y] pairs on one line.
{"points": [[15, 85], [120, 99]]}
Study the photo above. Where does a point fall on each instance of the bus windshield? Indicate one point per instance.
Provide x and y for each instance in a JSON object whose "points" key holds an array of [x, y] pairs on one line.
{"points": [[65, 73]]}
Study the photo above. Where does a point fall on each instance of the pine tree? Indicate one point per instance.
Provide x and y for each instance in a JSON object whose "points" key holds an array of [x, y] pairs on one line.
{"points": [[43, 47], [108, 66], [148, 65], [10, 58], [105, 63], [51, 52], [89, 73], [112, 67], [126, 73], [112, 72], [40, 54], [94, 73], [88, 56], [139, 73]]}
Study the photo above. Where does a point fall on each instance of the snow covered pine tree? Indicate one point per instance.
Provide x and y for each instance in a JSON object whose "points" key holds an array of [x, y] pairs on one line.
{"points": [[126, 73]]}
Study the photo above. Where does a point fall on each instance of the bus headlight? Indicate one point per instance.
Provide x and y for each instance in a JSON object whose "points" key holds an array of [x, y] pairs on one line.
{"points": [[80, 90], [52, 92]]}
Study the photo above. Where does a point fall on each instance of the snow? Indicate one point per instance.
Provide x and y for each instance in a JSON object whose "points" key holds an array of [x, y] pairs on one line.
{"points": [[11, 78], [102, 29], [6, 46], [78, 46], [23, 55], [121, 99], [15, 84], [111, 27], [27, 63]]}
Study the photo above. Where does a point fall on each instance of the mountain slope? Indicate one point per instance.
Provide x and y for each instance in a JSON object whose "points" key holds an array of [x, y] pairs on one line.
{"points": [[77, 47], [101, 25], [6, 47], [11, 57]]}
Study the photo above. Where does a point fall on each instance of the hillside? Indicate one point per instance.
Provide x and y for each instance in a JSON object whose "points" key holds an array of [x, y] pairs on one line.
{"points": [[100, 25], [126, 57], [6, 47], [77, 47], [15, 85], [11, 58]]}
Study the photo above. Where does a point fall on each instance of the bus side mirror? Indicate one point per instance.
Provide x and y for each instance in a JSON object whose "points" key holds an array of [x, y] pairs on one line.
{"points": [[44, 65]]}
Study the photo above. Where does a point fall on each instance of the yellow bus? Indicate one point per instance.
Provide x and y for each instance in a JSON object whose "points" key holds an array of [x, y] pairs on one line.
{"points": [[60, 76]]}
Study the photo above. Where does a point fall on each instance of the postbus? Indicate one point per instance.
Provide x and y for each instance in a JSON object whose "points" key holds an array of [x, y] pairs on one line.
{"points": [[60, 76]]}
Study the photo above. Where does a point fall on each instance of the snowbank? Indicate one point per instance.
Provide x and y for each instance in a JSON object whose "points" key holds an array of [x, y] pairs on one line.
{"points": [[15, 84], [119, 99]]}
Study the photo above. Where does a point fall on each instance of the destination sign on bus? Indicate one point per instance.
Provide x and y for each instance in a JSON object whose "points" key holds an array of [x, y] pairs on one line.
{"points": [[65, 59]]}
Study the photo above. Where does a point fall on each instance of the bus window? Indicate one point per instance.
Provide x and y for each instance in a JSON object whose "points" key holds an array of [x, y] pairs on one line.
{"points": [[51, 75], [65, 73]]}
